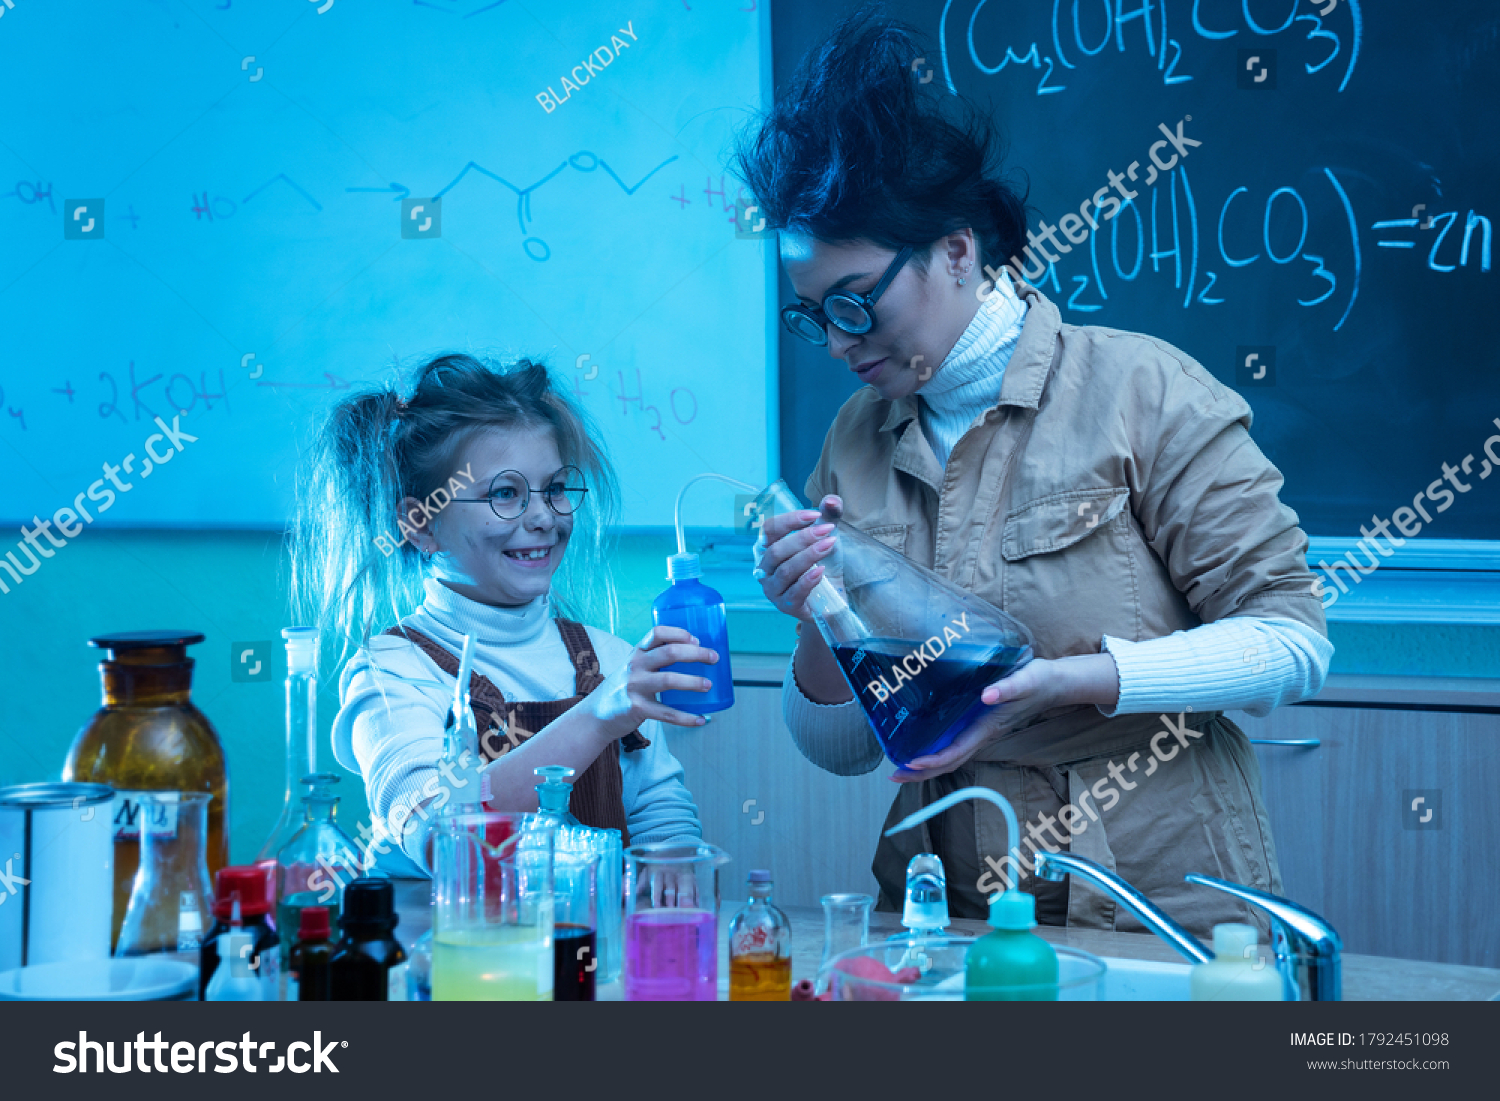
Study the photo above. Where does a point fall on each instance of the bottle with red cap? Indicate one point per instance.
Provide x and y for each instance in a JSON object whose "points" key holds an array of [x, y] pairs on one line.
{"points": [[308, 980], [246, 886]]}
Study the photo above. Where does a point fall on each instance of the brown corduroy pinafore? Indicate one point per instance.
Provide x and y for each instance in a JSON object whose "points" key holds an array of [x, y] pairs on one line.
{"points": [[598, 798]]}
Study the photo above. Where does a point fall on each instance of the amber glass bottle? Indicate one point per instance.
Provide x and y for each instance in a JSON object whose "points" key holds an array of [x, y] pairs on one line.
{"points": [[148, 736]]}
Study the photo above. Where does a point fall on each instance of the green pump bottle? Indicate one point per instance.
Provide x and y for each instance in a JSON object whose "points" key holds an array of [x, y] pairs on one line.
{"points": [[1011, 964]]}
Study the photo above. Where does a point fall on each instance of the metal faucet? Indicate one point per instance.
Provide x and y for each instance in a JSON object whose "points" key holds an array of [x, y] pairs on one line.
{"points": [[1307, 947], [1055, 866]]}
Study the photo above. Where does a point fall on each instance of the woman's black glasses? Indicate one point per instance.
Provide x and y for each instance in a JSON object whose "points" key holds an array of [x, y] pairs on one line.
{"points": [[853, 313]]}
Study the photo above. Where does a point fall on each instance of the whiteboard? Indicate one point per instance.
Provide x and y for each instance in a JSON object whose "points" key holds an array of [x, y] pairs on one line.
{"points": [[245, 172]]}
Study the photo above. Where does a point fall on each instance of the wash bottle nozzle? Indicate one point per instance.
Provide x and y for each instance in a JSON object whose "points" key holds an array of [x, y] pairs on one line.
{"points": [[682, 550]]}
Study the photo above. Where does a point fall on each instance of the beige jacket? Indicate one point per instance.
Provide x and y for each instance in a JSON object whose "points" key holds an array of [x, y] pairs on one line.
{"points": [[1113, 489]]}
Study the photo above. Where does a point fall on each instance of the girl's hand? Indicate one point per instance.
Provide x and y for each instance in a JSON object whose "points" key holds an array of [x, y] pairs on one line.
{"points": [[627, 697], [789, 563], [1038, 686], [673, 888]]}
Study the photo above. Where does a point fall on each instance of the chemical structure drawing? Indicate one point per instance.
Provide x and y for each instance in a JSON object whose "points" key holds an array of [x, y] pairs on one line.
{"points": [[535, 247]]}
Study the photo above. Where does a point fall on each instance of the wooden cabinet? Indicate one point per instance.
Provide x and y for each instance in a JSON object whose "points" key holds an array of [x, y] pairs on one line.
{"points": [[769, 807], [1352, 848]]}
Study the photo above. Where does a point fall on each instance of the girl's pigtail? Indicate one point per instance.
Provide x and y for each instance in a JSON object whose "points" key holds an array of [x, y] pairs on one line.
{"points": [[345, 550]]}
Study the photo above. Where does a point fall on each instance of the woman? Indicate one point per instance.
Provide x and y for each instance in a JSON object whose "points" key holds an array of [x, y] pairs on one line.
{"points": [[1100, 486], [490, 477]]}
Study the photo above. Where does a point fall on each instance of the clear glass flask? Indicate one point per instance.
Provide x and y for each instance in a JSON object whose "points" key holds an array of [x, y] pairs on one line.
{"points": [[169, 909], [313, 868], [301, 741], [916, 650]]}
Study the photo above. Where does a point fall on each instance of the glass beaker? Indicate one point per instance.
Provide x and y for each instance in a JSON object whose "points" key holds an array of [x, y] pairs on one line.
{"points": [[493, 918], [313, 868], [575, 943], [610, 911], [846, 924], [916, 650], [672, 921], [169, 900]]}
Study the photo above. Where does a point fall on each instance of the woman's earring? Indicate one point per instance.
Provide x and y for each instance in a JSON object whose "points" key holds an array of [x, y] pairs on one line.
{"points": [[966, 272]]}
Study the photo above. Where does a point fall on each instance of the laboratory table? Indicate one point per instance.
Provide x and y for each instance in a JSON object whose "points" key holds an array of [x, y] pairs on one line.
{"points": [[1366, 978]]}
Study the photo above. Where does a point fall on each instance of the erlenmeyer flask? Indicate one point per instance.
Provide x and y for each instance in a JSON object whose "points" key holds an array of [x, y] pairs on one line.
{"points": [[169, 901], [315, 866], [916, 650]]}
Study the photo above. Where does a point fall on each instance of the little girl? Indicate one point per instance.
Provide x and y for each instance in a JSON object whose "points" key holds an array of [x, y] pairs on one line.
{"points": [[463, 500]]}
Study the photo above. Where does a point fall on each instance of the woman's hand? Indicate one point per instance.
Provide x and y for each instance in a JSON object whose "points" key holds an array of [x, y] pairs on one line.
{"points": [[627, 697], [1017, 699], [791, 548]]}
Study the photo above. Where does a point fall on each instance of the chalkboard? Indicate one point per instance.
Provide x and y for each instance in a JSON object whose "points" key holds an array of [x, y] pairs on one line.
{"points": [[1335, 223], [247, 246]]}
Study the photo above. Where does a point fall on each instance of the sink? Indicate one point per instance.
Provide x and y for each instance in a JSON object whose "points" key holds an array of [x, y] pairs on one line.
{"points": [[1144, 981]]}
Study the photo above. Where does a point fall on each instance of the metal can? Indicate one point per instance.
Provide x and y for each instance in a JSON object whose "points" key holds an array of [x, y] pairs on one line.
{"points": [[57, 858]]}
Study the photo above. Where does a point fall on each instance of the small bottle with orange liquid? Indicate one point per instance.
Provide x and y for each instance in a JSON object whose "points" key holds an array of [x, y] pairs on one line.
{"points": [[760, 948]]}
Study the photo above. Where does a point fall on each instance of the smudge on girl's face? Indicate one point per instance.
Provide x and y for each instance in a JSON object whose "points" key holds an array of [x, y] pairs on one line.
{"points": [[503, 562]]}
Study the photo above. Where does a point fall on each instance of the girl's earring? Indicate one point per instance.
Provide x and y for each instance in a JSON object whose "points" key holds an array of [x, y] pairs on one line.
{"points": [[966, 272]]}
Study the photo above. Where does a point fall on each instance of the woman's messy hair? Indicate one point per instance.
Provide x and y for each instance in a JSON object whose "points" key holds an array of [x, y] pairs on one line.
{"points": [[352, 574], [859, 149]]}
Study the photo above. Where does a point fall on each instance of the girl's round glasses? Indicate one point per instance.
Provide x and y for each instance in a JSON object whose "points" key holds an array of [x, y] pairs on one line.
{"points": [[510, 493]]}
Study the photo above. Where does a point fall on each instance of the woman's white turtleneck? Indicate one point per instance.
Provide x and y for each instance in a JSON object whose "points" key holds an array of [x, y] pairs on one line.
{"points": [[1236, 663], [968, 380], [394, 701]]}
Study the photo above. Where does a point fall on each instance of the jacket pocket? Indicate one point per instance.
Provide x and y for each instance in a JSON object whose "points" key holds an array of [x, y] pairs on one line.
{"points": [[1059, 520], [1070, 575], [869, 570], [892, 535]]}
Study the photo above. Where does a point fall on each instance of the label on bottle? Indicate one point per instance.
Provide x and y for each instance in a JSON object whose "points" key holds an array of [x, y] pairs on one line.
{"points": [[396, 983], [157, 809]]}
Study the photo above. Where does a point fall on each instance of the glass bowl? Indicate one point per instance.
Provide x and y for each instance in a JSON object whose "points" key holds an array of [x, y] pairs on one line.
{"points": [[940, 965]]}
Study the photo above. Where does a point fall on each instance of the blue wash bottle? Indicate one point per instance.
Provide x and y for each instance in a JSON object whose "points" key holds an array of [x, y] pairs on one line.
{"points": [[690, 604]]}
